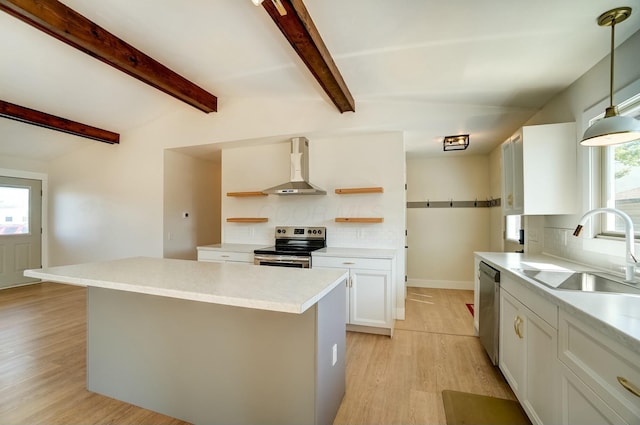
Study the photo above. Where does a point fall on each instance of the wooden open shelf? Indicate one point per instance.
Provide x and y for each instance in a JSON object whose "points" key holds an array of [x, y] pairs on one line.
{"points": [[247, 220], [355, 190], [246, 194], [359, 219]]}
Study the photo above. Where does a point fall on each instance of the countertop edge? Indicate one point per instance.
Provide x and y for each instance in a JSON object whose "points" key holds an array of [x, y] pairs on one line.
{"points": [[276, 306], [232, 247], [376, 253]]}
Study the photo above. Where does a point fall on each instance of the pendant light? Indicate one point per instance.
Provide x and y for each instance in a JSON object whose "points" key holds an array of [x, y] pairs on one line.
{"points": [[613, 128]]}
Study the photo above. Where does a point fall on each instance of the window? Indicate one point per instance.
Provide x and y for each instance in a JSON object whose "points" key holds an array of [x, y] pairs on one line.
{"points": [[513, 226], [621, 177], [14, 210]]}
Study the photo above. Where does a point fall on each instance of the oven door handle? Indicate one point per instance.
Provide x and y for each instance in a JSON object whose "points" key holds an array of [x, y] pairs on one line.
{"points": [[293, 258], [280, 258]]}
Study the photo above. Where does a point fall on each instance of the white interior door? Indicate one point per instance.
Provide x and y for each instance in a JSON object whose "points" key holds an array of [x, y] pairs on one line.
{"points": [[20, 229]]}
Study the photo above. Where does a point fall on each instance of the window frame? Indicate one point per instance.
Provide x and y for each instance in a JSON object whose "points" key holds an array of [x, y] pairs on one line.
{"points": [[592, 171], [514, 224], [602, 229]]}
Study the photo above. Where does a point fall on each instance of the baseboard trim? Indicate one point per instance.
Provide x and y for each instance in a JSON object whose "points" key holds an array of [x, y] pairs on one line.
{"points": [[440, 284], [370, 330], [17, 285]]}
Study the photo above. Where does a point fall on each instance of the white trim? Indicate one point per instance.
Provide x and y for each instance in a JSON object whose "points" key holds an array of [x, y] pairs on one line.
{"points": [[44, 178], [441, 284], [21, 284], [592, 175], [7, 172]]}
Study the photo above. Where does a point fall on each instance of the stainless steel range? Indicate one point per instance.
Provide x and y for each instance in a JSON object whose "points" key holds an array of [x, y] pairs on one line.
{"points": [[293, 247]]}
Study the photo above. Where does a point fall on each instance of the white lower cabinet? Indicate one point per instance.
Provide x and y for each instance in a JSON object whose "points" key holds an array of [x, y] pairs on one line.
{"points": [[370, 297], [528, 350], [600, 377], [580, 405], [560, 365], [369, 292]]}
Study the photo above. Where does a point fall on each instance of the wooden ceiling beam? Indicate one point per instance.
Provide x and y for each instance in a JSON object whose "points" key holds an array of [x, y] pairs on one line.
{"points": [[302, 34], [70, 27], [42, 119]]}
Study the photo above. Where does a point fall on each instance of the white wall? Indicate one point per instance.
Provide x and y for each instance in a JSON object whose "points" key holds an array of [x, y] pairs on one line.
{"points": [[589, 90], [441, 241], [107, 201], [334, 162], [191, 186], [21, 164]]}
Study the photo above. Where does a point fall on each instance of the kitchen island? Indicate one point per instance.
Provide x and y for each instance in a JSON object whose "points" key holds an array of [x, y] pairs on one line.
{"points": [[214, 343]]}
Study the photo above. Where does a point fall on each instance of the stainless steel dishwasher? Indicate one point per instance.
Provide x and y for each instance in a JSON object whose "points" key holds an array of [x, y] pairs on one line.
{"points": [[489, 310]]}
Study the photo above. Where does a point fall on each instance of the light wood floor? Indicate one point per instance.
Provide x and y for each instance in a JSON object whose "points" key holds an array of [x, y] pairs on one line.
{"points": [[389, 380], [42, 362], [400, 380]]}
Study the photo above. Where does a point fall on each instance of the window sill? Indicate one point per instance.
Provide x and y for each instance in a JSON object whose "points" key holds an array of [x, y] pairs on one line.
{"points": [[609, 245]]}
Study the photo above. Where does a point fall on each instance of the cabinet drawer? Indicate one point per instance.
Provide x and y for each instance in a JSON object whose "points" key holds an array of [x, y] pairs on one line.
{"points": [[539, 305], [580, 405], [209, 255], [601, 362], [352, 263]]}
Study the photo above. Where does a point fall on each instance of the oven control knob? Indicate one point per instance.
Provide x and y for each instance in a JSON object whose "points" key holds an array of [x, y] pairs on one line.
{"points": [[320, 231]]}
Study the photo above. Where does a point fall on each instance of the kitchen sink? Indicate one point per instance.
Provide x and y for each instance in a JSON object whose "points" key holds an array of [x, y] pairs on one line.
{"points": [[581, 281]]}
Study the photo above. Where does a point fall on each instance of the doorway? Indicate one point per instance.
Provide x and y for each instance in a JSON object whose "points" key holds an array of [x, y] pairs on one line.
{"points": [[20, 229]]}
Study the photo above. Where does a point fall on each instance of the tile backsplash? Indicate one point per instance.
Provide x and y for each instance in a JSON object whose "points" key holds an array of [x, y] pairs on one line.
{"points": [[560, 242]]}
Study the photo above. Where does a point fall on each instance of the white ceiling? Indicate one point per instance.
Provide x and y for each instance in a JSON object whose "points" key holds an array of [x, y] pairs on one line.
{"points": [[461, 56]]}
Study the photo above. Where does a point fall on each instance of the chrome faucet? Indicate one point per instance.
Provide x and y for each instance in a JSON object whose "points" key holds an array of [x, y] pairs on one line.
{"points": [[630, 267]]}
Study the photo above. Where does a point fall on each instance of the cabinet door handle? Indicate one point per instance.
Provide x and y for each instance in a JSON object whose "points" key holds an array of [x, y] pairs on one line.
{"points": [[520, 327], [224, 256], [348, 263], [629, 386], [516, 326]]}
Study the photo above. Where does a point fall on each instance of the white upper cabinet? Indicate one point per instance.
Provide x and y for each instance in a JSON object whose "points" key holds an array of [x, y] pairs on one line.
{"points": [[539, 170]]}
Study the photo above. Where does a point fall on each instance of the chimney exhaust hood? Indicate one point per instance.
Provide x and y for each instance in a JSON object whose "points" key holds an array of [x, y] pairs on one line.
{"points": [[299, 181]]}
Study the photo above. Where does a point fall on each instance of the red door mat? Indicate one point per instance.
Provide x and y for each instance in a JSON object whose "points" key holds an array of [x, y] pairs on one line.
{"points": [[470, 307]]}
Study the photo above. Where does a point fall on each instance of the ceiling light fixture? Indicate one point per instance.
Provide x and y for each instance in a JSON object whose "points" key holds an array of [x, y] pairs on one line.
{"points": [[277, 3], [613, 128], [455, 143]]}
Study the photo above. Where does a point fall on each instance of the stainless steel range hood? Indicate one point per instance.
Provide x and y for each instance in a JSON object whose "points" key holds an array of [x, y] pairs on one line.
{"points": [[299, 182]]}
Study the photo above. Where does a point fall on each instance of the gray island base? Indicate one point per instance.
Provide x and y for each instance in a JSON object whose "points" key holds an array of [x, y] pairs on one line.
{"points": [[209, 362]]}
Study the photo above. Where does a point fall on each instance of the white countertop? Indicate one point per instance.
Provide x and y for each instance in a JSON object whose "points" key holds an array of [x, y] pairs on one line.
{"points": [[232, 247], [355, 253], [616, 315], [280, 289]]}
